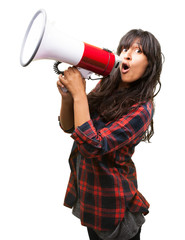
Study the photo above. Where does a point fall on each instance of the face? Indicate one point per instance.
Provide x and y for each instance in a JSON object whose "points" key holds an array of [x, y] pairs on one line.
{"points": [[134, 64]]}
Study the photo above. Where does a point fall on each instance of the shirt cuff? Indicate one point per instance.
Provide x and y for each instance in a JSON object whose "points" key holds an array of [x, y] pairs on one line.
{"points": [[86, 133]]}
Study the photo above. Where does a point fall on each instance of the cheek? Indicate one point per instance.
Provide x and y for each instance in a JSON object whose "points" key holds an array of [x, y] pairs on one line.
{"points": [[142, 68]]}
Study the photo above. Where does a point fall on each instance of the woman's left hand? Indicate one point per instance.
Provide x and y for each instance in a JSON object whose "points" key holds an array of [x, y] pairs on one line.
{"points": [[73, 81]]}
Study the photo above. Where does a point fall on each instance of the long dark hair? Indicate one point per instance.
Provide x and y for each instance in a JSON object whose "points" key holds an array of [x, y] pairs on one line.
{"points": [[110, 102]]}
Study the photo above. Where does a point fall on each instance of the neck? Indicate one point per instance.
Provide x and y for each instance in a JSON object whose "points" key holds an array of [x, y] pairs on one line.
{"points": [[123, 85]]}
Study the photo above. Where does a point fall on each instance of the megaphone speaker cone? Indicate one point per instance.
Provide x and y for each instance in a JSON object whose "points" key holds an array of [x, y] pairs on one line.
{"points": [[33, 37]]}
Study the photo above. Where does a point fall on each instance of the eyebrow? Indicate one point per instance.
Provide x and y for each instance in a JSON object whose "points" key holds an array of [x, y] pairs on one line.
{"points": [[138, 43], [126, 46]]}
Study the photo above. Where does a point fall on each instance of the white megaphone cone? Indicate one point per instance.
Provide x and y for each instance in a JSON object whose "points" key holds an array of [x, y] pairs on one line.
{"points": [[44, 41]]}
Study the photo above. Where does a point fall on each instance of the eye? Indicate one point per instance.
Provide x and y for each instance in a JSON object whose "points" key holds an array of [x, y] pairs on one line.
{"points": [[124, 50], [138, 50]]}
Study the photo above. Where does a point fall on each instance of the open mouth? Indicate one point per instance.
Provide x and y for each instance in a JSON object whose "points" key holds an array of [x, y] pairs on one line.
{"points": [[125, 68]]}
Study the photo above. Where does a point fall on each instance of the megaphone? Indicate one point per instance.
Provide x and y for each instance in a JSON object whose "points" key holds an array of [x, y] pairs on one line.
{"points": [[43, 40]]}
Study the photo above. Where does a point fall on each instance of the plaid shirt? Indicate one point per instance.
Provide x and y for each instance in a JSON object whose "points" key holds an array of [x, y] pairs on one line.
{"points": [[107, 182]]}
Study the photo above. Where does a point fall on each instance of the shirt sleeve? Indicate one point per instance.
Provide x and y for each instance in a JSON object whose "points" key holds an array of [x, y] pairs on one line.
{"points": [[129, 129]]}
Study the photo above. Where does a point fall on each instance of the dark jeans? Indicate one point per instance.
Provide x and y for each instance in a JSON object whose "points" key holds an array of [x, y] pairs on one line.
{"points": [[94, 236]]}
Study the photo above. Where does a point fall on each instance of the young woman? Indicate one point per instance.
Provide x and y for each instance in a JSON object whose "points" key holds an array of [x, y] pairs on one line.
{"points": [[106, 126]]}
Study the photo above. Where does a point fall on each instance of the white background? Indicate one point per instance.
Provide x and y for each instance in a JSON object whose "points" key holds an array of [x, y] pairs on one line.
{"points": [[34, 151]]}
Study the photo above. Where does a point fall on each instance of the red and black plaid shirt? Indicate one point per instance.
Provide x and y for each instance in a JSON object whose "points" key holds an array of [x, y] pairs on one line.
{"points": [[107, 183]]}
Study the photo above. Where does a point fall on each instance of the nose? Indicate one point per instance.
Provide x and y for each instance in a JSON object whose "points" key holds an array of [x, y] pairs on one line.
{"points": [[127, 55]]}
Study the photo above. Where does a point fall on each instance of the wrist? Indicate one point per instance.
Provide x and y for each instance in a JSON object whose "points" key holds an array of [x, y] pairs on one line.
{"points": [[67, 100], [79, 97]]}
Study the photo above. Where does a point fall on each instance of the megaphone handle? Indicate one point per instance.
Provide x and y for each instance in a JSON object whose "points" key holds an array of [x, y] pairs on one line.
{"points": [[85, 73]]}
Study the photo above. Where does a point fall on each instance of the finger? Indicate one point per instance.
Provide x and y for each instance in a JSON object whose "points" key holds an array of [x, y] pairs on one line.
{"points": [[76, 70], [72, 69], [62, 79], [69, 71], [62, 89], [61, 76], [59, 84]]}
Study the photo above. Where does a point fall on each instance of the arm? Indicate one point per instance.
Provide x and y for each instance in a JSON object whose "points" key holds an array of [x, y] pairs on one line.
{"points": [[81, 110], [66, 117], [127, 130], [75, 84]]}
